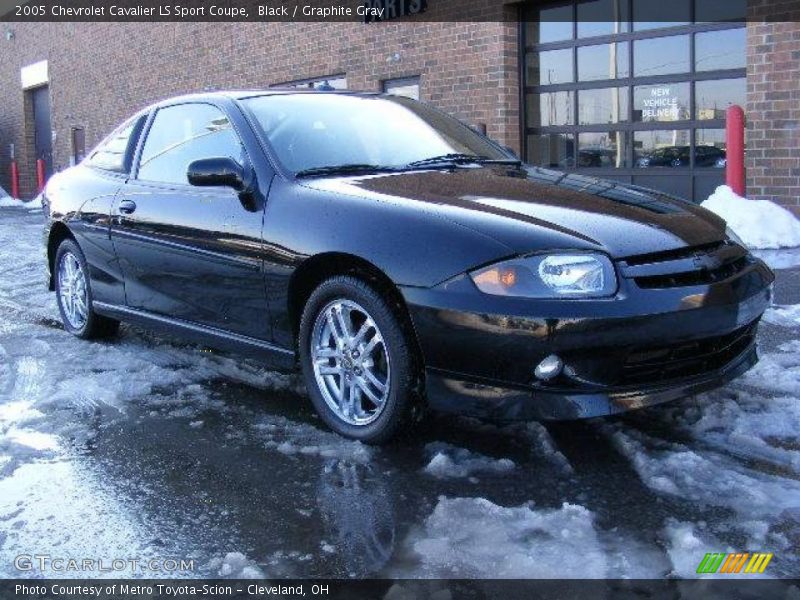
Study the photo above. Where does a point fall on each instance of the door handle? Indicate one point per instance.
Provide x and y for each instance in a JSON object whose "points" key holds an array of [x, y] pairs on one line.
{"points": [[127, 207]]}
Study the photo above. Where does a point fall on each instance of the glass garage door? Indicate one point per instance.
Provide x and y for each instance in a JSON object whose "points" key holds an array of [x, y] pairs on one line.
{"points": [[613, 89]]}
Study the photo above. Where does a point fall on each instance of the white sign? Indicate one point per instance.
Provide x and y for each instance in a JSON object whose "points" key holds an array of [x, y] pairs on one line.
{"points": [[34, 75], [660, 106]]}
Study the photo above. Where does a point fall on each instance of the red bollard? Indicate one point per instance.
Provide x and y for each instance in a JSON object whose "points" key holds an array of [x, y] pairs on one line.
{"points": [[14, 180], [734, 141], [40, 174]]}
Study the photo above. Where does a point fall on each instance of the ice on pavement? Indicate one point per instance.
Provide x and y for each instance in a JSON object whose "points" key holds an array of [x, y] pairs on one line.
{"points": [[472, 537], [706, 478], [235, 565], [291, 438], [760, 223], [546, 447], [450, 461], [60, 498]]}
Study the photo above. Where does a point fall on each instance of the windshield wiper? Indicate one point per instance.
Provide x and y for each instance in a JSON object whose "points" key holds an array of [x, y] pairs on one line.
{"points": [[343, 170], [459, 158]]}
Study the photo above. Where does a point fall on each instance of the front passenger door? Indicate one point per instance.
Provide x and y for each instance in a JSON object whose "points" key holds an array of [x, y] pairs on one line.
{"points": [[186, 252]]}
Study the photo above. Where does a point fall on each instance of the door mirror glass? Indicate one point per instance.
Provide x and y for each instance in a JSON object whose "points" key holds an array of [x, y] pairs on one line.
{"points": [[218, 171]]}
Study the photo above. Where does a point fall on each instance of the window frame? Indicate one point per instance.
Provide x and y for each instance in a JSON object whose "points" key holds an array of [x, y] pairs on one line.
{"points": [[145, 133], [628, 126]]}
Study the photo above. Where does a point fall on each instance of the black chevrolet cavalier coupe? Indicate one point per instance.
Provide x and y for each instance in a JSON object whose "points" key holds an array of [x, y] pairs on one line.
{"points": [[401, 259]]}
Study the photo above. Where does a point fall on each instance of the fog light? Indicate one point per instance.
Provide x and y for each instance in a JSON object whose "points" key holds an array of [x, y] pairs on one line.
{"points": [[549, 368]]}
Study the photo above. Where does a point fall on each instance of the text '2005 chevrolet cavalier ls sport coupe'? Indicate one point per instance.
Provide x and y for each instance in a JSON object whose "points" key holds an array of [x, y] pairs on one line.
{"points": [[400, 259]]}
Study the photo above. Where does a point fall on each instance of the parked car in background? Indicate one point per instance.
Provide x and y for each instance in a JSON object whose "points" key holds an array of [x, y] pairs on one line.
{"points": [[598, 157], [400, 259], [678, 156]]}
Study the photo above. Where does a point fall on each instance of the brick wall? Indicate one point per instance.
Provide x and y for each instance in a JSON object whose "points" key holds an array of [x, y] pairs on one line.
{"points": [[773, 101], [102, 72]]}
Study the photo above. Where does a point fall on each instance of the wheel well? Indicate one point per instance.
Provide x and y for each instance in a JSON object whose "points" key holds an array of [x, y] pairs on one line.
{"points": [[58, 233], [311, 273]]}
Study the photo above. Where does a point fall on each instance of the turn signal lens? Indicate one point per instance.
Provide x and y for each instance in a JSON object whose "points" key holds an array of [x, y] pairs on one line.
{"points": [[508, 277], [496, 277]]}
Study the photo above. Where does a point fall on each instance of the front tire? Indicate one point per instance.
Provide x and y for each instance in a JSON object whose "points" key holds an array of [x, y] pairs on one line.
{"points": [[357, 360], [74, 295]]}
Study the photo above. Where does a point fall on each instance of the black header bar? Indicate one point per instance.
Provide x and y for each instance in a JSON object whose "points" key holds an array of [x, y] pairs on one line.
{"points": [[364, 11]]}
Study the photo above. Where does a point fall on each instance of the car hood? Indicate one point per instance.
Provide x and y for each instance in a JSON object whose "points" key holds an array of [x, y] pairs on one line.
{"points": [[530, 209]]}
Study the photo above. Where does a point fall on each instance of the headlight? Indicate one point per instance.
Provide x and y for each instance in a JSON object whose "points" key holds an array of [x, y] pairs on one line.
{"points": [[567, 275], [732, 236]]}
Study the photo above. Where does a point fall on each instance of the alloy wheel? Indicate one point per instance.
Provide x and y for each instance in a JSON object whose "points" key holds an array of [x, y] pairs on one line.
{"points": [[72, 290], [350, 362]]}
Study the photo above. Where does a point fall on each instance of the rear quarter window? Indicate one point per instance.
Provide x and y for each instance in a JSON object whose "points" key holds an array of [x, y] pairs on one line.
{"points": [[116, 151]]}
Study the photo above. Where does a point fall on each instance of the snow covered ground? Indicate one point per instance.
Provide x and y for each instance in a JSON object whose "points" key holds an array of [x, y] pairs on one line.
{"points": [[150, 448]]}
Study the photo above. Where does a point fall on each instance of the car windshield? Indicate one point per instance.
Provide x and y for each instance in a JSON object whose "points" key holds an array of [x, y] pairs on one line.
{"points": [[318, 131]]}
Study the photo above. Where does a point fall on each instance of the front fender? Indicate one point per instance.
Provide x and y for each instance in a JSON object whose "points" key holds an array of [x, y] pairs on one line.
{"points": [[412, 246]]}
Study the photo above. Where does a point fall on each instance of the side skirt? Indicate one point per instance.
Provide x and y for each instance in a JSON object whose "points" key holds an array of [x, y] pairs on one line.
{"points": [[274, 356]]}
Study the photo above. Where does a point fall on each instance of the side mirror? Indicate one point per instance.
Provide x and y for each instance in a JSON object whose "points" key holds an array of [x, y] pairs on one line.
{"points": [[217, 171]]}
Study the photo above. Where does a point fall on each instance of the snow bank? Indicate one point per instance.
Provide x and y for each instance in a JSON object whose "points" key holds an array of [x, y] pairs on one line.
{"points": [[473, 537], [7, 201], [235, 565], [449, 461], [760, 223]]}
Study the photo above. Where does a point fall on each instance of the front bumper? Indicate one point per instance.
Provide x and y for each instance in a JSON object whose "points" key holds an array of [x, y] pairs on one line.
{"points": [[452, 394], [642, 347]]}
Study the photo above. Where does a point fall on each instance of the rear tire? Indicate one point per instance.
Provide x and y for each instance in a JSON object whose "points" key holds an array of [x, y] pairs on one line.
{"points": [[74, 295], [358, 361]]}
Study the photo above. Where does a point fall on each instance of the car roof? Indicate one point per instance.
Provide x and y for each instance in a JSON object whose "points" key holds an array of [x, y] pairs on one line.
{"points": [[235, 95], [276, 91]]}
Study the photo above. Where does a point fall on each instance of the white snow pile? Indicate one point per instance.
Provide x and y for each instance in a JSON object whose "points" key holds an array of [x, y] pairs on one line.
{"points": [[779, 258], [785, 316], [235, 565], [451, 462], [7, 201], [473, 537], [684, 545], [760, 223]]}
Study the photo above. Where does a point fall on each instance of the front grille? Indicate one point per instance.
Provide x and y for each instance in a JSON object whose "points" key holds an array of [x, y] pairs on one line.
{"points": [[677, 361], [694, 265], [700, 277], [685, 252]]}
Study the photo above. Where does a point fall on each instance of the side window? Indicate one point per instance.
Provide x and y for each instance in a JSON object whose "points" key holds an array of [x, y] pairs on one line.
{"points": [[182, 134], [113, 153]]}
